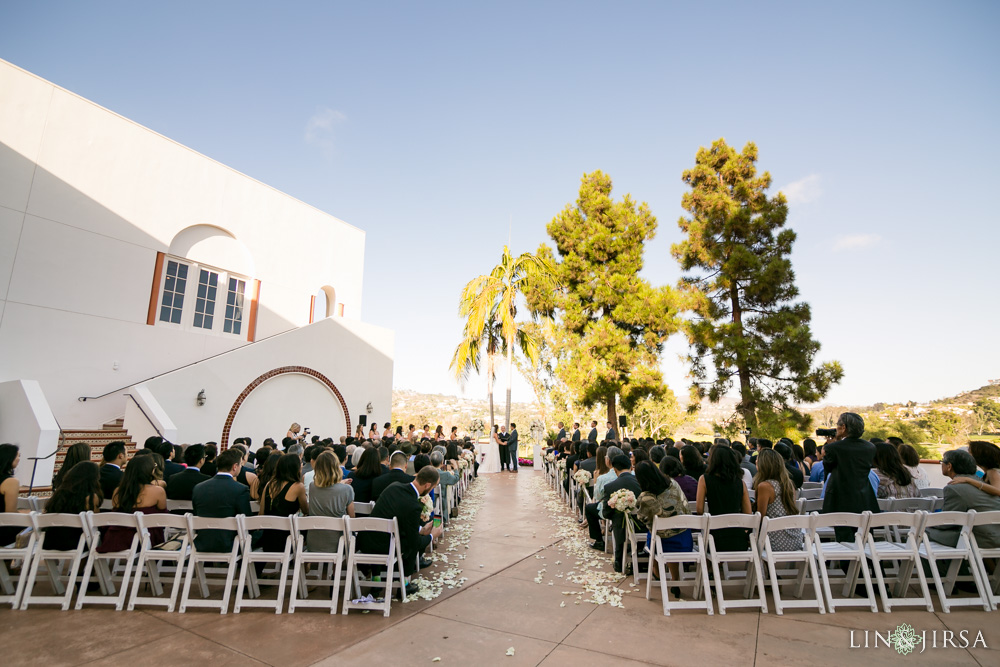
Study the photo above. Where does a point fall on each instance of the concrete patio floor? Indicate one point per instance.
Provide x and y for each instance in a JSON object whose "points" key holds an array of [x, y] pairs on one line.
{"points": [[500, 606]]}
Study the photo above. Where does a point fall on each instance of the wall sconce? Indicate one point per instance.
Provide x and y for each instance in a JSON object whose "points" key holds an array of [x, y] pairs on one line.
{"points": [[369, 408], [201, 397]]}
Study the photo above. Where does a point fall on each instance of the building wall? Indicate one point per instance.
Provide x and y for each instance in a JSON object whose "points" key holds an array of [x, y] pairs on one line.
{"points": [[87, 200], [26, 421]]}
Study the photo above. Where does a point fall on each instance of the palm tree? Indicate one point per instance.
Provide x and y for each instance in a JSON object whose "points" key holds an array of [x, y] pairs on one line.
{"points": [[468, 355], [490, 300]]}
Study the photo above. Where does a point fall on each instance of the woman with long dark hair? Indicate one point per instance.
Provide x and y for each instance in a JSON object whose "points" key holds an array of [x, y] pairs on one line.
{"points": [[135, 493], [662, 497], [723, 489], [694, 463], [10, 456], [911, 460], [672, 467], [894, 480], [284, 495], [76, 453], [80, 491], [369, 467]]}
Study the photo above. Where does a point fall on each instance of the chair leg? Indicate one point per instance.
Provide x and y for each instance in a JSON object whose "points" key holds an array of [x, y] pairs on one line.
{"points": [[240, 586], [336, 586], [775, 586], [718, 587]]}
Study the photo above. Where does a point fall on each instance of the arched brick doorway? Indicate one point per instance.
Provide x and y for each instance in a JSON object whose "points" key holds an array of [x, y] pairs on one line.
{"points": [[301, 370]]}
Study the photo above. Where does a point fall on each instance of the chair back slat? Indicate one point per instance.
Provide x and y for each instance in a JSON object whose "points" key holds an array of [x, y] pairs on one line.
{"points": [[840, 520], [960, 519], [267, 522], [792, 522], [748, 521], [901, 519], [369, 524], [113, 519], [178, 521], [210, 523], [679, 522], [320, 523], [932, 492], [43, 521], [15, 519], [912, 505], [986, 518]]}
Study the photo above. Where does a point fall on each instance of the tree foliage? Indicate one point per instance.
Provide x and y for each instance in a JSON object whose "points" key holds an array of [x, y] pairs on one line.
{"points": [[986, 414], [748, 326], [614, 323], [658, 417]]}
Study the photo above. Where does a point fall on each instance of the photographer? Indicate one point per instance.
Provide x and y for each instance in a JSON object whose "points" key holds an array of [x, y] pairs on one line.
{"points": [[297, 433], [848, 460]]}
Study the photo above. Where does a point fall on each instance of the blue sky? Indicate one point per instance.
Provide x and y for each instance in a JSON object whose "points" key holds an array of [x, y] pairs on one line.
{"points": [[439, 128]]}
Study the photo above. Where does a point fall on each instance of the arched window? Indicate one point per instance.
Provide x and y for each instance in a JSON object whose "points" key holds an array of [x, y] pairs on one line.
{"points": [[324, 304]]}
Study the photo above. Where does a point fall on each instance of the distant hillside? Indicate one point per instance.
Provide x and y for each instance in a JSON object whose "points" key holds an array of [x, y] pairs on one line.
{"points": [[986, 391]]}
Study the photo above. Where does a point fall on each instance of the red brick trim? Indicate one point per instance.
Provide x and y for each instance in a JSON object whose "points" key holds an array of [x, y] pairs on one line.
{"points": [[154, 295], [302, 370]]}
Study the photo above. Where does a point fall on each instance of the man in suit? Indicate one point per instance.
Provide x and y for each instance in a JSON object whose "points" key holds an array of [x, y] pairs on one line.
{"points": [[402, 501], [576, 431], [504, 452], [611, 434], [397, 473], [111, 470], [849, 461], [512, 446], [592, 436], [166, 450], [181, 485], [561, 435], [624, 480], [963, 496], [219, 497]]}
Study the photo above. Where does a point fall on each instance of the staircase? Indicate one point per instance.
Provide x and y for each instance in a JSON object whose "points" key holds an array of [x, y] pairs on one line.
{"points": [[97, 439]]}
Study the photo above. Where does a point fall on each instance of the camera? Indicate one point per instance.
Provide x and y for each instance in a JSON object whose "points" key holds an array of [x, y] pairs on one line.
{"points": [[745, 431], [826, 432]]}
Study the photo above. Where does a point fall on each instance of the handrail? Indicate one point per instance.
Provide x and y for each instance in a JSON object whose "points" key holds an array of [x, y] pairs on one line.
{"points": [[145, 415], [36, 459], [84, 399]]}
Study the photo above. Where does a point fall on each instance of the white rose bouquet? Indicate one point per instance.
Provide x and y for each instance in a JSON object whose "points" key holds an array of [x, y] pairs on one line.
{"points": [[582, 477], [622, 500], [550, 457], [428, 508], [561, 464], [463, 463], [468, 455]]}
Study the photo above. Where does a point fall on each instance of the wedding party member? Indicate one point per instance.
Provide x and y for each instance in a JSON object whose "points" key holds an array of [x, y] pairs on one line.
{"points": [[776, 498], [624, 479], [592, 436], [911, 460], [660, 497], [611, 434], [364, 474], [76, 453], [512, 446], [181, 485], [10, 456], [114, 457], [576, 431], [848, 460], [965, 492], [220, 497], [894, 480], [500, 435], [79, 492], [723, 489], [397, 473], [135, 493], [328, 497], [987, 456], [561, 435]]}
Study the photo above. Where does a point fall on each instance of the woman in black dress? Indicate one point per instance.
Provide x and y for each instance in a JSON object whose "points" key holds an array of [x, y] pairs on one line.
{"points": [[369, 467], [284, 495], [9, 489], [723, 488], [80, 491]]}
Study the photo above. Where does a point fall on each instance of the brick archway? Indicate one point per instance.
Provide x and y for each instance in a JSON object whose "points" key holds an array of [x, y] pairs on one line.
{"points": [[301, 370]]}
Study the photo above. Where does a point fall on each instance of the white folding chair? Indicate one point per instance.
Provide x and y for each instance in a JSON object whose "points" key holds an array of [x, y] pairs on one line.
{"points": [[334, 559], [248, 573], [10, 593], [99, 561], [392, 562], [64, 592], [884, 504], [933, 552], [982, 553], [151, 559], [932, 492], [850, 552], [180, 506], [635, 542], [902, 553], [806, 562], [810, 494], [751, 523], [810, 505], [363, 509], [812, 485], [658, 558], [197, 560], [27, 503], [912, 505]]}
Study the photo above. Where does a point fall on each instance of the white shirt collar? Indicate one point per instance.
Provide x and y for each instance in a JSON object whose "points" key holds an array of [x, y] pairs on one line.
{"points": [[227, 474]]}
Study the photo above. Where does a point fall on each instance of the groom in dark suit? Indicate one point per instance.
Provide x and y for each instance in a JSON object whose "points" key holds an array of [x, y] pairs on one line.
{"points": [[512, 446]]}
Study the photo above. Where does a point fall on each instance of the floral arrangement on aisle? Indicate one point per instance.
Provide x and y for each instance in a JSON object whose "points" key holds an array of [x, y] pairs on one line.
{"points": [[463, 463], [582, 478], [523, 462], [561, 464], [550, 457], [427, 508], [468, 455], [622, 500]]}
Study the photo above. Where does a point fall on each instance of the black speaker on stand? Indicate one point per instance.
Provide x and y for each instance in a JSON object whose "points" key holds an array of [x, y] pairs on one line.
{"points": [[363, 420]]}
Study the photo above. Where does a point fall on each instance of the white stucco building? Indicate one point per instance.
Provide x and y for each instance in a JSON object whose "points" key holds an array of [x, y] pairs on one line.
{"points": [[137, 273]]}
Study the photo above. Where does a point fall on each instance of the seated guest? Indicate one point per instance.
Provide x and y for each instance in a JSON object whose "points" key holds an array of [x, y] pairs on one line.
{"points": [[624, 479], [80, 491], [135, 493], [776, 498], [152, 442], [660, 497], [420, 461], [741, 452], [799, 456], [284, 495], [166, 450], [817, 472], [181, 485], [111, 470], [76, 453], [809, 451], [328, 497], [965, 492], [694, 463], [448, 479], [397, 473], [10, 456], [894, 480], [247, 476], [722, 488], [987, 456], [590, 462], [673, 468], [346, 460], [911, 461], [363, 476], [402, 501], [262, 455], [794, 474], [211, 452], [221, 496]]}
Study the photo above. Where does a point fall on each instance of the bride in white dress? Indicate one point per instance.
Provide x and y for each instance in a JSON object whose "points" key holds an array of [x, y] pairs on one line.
{"points": [[491, 458]]}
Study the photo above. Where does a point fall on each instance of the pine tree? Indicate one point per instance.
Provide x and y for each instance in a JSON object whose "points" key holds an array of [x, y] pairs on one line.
{"points": [[748, 325], [613, 322]]}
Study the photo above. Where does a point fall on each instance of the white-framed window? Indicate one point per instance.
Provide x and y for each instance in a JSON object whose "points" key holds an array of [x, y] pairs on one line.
{"points": [[190, 296]]}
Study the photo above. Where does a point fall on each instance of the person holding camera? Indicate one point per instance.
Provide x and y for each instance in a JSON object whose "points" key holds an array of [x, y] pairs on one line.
{"points": [[848, 461], [297, 433]]}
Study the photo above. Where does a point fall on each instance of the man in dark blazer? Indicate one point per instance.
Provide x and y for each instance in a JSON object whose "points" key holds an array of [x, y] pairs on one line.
{"points": [[402, 501], [512, 446], [625, 480], [611, 434], [576, 431], [592, 436], [848, 461], [221, 496], [181, 485], [397, 473], [111, 469], [166, 450], [561, 435]]}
